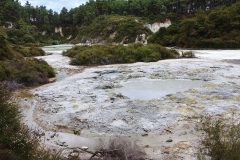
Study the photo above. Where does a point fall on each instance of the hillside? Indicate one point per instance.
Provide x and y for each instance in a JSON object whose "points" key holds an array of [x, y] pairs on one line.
{"points": [[217, 28], [114, 29]]}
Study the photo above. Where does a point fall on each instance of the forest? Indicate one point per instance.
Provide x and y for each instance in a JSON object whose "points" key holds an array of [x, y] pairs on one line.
{"points": [[43, 18], [30, 23], [217, 28]]}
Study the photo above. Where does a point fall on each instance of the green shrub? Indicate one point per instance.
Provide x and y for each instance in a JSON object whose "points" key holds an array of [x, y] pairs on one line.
{"points": [[35, 71], [4, 72], [5, 51], [28, 51], [14, 67], [28, 38], [17, 142], [29, 72], [221, 140], [111, 54]]}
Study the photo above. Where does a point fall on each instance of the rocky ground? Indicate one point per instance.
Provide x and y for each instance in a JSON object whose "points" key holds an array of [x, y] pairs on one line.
{"points": [[81, 106]]}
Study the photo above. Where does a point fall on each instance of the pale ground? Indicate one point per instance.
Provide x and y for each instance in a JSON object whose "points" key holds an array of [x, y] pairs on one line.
{"points": [[83, 101]]}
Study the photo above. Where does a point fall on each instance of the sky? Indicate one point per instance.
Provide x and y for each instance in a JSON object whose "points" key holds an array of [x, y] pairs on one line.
{"points": [[55, 5]]}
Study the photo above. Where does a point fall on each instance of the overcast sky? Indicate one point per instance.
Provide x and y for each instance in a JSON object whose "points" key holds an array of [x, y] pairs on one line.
{"points": [[55, 5]]}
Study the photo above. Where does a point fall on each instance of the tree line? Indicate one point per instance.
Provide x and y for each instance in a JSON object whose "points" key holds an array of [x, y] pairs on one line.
{"points": [[43, 18]]}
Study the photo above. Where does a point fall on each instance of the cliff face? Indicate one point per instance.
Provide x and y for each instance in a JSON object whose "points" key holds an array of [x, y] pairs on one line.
{"points": [[59, 30], [157, 25]]}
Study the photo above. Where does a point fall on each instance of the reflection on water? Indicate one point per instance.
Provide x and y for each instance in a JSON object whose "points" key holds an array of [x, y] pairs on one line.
{"points": [[146, 89]]}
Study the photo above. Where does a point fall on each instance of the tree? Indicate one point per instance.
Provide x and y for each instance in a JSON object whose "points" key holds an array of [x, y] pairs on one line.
{"points": [[22, 25], [11, 11], [64, 16]]}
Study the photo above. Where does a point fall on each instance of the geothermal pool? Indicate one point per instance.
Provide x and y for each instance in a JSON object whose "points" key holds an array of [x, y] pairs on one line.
{"points": [[147, 89]]}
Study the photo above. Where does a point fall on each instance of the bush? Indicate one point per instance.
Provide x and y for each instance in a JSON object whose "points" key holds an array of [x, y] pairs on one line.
{"points": [[34, 72], [5, 51], [29, 72], [120, 148], [28, 38], [14, 67], [112, 54], [221, 140], [28, 51], [15, 140]]}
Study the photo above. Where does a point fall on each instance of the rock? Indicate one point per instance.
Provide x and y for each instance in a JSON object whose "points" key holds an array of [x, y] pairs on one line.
{"points": [[169, 140], [61, 143], [184, 133], [84, 148], [145, 130], [52, 136], [77, 131], [145, 134], [157, 25], [168, 130]]}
